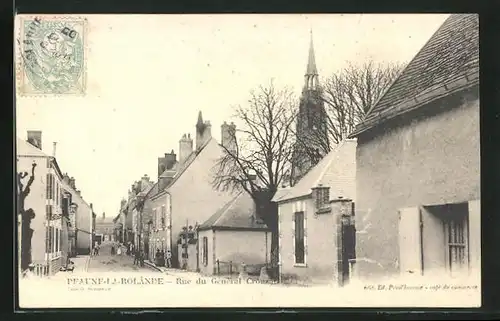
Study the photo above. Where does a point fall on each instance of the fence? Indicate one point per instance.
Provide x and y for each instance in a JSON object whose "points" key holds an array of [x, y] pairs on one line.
{"points": [[41, 270], [234, 268]]}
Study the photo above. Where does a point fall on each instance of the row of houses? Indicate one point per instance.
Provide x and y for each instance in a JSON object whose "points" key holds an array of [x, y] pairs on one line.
{"points": [[54, 221], [182, 213], [401, 195]]}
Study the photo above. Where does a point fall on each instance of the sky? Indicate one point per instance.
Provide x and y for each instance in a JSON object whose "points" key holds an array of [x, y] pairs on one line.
{"points": [[148, 76]]}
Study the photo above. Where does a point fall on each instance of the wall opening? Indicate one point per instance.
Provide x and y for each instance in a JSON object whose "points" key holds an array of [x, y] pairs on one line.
{"points": [[449, 223]]}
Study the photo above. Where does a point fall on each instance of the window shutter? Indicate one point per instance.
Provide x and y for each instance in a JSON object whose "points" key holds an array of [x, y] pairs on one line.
{"points": [[410, 250], [475, 234], [47, 187]]}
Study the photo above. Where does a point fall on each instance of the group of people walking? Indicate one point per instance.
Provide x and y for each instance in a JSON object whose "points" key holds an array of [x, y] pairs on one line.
{"points": [[161, 258], [130, 250]]}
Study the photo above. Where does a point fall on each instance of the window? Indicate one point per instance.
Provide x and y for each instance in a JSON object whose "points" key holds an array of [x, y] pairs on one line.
{"points": [[48, 210], [299, 238], [50, 241], [50, 187], [163, 216], [205, 251], [56, 246], [456, 242], [155, 220]]}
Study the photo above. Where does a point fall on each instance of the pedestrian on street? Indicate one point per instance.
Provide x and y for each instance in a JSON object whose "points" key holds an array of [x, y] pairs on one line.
{"points": [[169, 259], [141, 258], [157, 257], [119, 251], [136, 257], [112, 250], [162, 258]]}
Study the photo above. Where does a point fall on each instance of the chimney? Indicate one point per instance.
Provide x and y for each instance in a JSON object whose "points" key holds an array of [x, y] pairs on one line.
{"points": [[162, 165], [35, 138], [54, 144], [103, 215], [321, 196], [78, 192], [208, 131], [185, 147], [170, 159], [72, 183], [228, 136], [66, 178], [144, 181]]}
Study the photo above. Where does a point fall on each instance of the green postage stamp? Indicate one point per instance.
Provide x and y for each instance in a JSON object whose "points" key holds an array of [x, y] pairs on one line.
{"points": [[51, 55]]}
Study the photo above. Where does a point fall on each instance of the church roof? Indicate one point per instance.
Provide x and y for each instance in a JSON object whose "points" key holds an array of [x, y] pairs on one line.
{"points": [[336, 170], [447, 63], [238, 213]]}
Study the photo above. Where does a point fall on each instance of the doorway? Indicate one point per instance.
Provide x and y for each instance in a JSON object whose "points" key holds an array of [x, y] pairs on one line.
{"points": [[347, 248]]}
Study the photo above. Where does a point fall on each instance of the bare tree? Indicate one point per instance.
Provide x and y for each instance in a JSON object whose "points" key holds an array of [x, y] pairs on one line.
{"points": [[26, 215], [258, 159], [347, 96]]}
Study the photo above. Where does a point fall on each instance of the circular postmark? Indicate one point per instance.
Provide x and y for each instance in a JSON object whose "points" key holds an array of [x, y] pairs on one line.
{"points": [[53, 55]]}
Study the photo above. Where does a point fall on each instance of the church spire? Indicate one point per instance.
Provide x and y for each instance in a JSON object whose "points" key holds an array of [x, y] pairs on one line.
{"points": [[311, 76], [200, 119], [311, 62]]}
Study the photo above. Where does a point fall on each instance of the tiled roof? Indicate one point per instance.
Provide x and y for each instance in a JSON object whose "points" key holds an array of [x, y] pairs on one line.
{"points": [[448, 62], [336, 170], [238, 213]]}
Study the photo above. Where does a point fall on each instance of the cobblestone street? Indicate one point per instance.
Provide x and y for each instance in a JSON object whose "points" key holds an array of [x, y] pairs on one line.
{"points": [[105, 262]]}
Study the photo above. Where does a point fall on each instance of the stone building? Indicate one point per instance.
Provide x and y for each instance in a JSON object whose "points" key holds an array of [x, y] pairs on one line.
{"points": [[232, 236], [418, 163], [47, 222], [184, 195], [104, 228], [316, 239]]}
